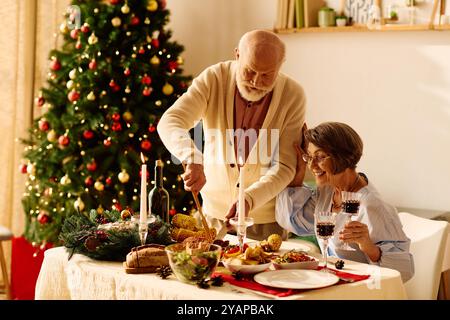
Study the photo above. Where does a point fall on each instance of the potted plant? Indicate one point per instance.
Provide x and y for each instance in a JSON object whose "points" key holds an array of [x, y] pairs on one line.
{"points": [[341, 20]]}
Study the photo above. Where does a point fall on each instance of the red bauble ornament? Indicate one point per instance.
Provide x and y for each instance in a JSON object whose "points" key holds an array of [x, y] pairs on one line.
{"points": [[112, 84], [85, 28], [108, 181], [63, 141], [146, 145], [173, 65], [74, 33], [127, 72], [155, 43], [43, 125], [147, 91], [88, 134], [141, 50], [151, 128], [89, 181], [73, 96], [55, 65], [116, 126], [116, 88], [146, 80], [135, 21], [43, 217], [92, 166], [92, 65], [172, 212], [183, 85], [115, 116], [107, 142], [78, 45], [147, 174], [162, 4], [40, 101], [23, 168], [114, 2]]}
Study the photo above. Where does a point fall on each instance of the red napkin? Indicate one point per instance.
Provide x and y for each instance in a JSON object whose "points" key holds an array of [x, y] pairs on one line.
{"points": [[249, 283]]}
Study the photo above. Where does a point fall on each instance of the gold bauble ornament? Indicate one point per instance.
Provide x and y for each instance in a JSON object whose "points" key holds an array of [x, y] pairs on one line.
{"points": [[100, 210], [91, 96], [65, 180], [63, 28], [154, 60], [51, 136], [127, 116], [79, 204], [92, 39], [125, 214], [70, 84], [116, 22], [125, 9], [73, 74], [31, 169], [99, 186], [123, 176], [167, 89], [127, 90], [152, 5], [180, 60]]}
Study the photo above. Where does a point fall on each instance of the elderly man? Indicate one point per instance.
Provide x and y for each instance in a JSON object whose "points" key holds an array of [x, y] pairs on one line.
{"points": [[251, 115]]}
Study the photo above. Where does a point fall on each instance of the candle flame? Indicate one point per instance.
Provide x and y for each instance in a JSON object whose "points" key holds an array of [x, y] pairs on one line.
{"points": [[142, 158]]}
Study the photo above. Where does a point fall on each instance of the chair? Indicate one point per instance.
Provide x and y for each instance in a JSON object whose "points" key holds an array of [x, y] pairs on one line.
{"points": [[428, 239], [5, 235]]}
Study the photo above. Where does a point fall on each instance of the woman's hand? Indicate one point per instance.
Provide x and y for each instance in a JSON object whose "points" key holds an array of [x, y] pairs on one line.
{"points": [[300, 169], [357, 232]]}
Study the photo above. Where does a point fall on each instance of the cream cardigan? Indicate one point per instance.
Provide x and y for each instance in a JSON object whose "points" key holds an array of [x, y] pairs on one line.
{"points": [[210, 98]]}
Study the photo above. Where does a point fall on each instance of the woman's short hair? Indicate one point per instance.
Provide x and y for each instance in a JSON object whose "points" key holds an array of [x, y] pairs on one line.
{"points": [[339, 141]]}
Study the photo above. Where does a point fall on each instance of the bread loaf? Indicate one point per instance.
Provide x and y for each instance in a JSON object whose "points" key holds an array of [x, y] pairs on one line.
{"points": [[184, 221], [147, 256]]}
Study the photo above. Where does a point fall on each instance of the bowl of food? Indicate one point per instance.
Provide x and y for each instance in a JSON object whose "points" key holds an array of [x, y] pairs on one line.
{"points": [[192, 265], [253, 260], [295, 260]]}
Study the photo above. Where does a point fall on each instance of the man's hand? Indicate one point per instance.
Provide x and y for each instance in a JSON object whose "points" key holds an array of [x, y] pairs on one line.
{"points": [[194, 178], [233, 212]]}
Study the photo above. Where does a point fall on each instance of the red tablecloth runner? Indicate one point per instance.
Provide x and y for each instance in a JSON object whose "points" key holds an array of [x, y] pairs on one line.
{"points": [[249, 283]]}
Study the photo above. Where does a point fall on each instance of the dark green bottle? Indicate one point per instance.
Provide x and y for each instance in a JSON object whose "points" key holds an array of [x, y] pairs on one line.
{"points": [[158, 198]]}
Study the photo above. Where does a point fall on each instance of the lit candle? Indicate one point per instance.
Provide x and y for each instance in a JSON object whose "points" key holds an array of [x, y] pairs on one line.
{"points": [[143, 208], [241, 213]]}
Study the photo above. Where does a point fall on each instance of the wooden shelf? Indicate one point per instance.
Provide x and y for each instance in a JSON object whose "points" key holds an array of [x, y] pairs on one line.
{"points": [[362, 28]]}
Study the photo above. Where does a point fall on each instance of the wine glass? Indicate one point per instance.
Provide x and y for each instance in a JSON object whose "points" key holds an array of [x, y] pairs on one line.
{"points": [[325, 222], [350, 205]]}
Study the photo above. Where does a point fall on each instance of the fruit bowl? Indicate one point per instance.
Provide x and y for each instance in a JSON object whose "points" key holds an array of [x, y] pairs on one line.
{"points": [[193, 267]]}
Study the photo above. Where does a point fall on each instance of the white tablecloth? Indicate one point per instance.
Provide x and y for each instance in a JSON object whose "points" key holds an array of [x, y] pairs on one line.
{"points": [[88, 279]]}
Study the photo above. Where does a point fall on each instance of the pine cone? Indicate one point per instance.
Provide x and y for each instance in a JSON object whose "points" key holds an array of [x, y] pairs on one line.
{"points": [[217, 281], [339, 264], [164, 271], [203, 284]]}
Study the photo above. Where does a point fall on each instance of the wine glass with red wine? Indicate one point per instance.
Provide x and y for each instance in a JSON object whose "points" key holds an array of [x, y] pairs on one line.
{"points": [[350, 205], [325, 222]]}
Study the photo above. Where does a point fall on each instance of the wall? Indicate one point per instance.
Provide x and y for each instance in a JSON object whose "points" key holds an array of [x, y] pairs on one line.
{"points": [[392, 87]]}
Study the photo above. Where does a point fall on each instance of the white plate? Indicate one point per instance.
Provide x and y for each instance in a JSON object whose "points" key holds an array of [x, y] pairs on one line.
{"points": [[247, 268], [296, 279]]}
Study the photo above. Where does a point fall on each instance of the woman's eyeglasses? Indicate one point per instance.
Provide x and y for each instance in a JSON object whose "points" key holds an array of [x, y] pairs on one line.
{"points": [[318, 159]]}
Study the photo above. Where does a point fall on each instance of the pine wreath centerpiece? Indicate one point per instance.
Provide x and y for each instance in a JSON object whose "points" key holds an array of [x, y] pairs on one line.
{"points": [[108, 235]]}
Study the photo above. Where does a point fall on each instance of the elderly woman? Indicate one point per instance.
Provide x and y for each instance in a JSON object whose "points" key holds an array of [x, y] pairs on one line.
{"points": [[375, 235]]}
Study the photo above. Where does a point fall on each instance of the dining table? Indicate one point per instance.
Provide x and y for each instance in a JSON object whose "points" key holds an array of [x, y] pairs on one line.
{"points": [[83, 278]]}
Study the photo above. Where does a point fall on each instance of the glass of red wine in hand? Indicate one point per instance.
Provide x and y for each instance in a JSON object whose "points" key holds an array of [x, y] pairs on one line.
{"points": [[325, 222], [350, 206]]}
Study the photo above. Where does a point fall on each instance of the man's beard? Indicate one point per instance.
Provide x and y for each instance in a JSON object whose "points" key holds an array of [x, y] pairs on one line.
{"points": [[254, 94]]}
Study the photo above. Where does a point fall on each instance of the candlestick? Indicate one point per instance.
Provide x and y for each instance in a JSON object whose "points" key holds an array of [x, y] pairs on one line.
{"points": [[143, 227], [241, 208]]}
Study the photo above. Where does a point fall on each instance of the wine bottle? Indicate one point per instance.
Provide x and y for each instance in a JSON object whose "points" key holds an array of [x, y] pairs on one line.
{"points": [[158, 198]]}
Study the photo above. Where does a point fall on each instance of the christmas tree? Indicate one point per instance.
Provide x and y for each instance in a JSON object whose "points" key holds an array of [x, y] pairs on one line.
{"points": [[114, 76]]}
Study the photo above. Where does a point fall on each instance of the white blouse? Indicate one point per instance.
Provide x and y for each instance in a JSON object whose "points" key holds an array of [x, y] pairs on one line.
{"points": [[295, 209]]}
